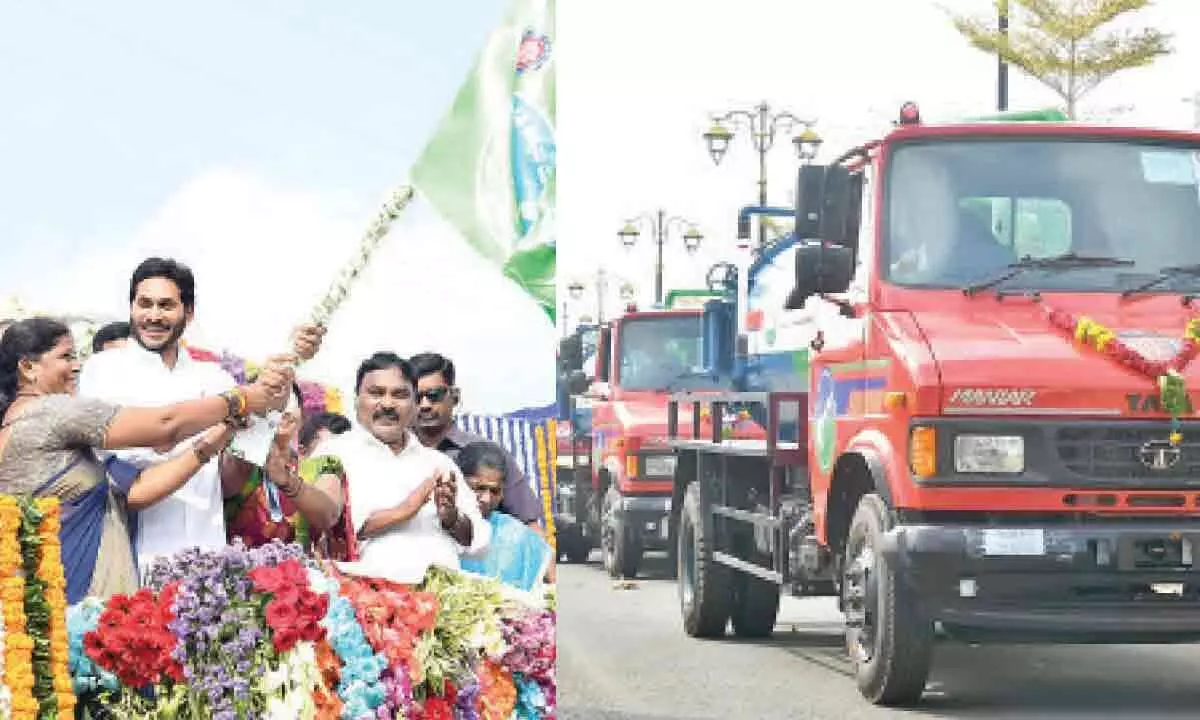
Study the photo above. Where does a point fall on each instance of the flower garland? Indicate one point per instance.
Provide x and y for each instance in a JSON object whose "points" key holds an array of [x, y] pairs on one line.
{"points": [[18, 646], [39, 604], [5, 693], [359, 687], [497, 692], [50, 572], [1166, 374]]}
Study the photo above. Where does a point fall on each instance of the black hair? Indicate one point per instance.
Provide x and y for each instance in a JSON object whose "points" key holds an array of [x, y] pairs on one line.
{"points": [[167, 269], [432, 363], [26, 339], [480, 455], [383, 361], [108, 333], [299, 396], [331, 421]]}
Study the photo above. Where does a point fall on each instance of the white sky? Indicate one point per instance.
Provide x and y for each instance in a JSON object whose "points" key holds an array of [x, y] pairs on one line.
{"points": [[640, 79], [264, 252], [260, 166]]}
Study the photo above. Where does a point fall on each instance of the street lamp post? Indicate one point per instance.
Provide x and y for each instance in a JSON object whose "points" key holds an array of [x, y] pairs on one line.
{"points": [[763, 126], [661, 226]]}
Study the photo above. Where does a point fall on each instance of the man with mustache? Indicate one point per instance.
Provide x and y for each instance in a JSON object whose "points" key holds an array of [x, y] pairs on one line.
{"points": [[155, 369], [410, 506]]}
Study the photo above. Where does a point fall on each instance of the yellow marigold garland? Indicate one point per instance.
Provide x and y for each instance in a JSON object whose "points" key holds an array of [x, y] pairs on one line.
{"points": [[50, 571], [547, 463], [18, 646]]}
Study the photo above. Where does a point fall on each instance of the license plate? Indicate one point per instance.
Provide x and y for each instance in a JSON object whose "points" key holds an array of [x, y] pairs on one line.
{"points": [[1014, 543]]}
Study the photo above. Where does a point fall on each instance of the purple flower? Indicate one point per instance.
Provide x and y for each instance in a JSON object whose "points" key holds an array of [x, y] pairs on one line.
{"points": [[465, 704], [217, 622]]}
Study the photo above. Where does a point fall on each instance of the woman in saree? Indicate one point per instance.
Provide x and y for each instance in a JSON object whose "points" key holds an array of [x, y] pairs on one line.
{"points": [[48, 439], [516, 555], [292, 499]]}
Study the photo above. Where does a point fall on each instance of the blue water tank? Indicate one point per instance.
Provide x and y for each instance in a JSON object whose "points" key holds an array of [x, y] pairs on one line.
{"points": [[720, 328]]}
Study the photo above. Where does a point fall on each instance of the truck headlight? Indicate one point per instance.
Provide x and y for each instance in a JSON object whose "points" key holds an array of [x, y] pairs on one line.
{"points": [[659, 466], [989, 454]]}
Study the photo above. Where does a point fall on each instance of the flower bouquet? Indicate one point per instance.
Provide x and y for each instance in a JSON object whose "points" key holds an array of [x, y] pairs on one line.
{"points": [[267, 632]]}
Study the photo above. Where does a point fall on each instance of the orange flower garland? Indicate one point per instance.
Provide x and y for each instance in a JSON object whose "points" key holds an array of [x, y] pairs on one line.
{"points": [[18, 646], [325, 698], [50, 571], [497, 693]]}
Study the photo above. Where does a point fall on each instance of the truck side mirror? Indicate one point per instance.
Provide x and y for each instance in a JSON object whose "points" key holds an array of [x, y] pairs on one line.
{"points": [[577, 382], [823, 203], [570, 353], [822, 269]]}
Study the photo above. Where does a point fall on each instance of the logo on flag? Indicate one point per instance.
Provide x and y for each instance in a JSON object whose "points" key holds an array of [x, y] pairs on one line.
{"points": [[533, 52]]}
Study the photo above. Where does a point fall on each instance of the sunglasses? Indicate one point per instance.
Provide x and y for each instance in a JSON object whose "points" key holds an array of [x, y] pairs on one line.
{"points": [[434, 395]]}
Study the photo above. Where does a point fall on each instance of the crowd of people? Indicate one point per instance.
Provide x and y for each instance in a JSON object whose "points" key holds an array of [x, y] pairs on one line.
{"points": [[135, 442]]}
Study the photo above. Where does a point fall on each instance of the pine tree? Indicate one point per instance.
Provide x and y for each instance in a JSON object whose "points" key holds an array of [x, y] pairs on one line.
{"points": [[1066, 44]]}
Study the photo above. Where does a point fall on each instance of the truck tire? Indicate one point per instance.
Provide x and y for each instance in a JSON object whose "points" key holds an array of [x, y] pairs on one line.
{"points": [[705, 593], [621, 550], [755, 606], [888, 638], [573, 546]]}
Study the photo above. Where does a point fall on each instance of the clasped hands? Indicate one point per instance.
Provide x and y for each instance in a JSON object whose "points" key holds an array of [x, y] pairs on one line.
{"points": [[279, 373]]}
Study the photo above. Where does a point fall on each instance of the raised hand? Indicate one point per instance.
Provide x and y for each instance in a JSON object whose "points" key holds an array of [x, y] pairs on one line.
{"points": [[306, 340], [445, 492]]}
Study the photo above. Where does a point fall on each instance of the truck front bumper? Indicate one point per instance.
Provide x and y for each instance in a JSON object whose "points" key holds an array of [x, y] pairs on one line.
{"points": [[1107, 582], [646, 517]]}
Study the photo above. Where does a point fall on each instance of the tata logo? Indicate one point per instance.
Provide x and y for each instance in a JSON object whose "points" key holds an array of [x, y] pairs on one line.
{"points": [[993, 397], [1159, 455], [1150, 403]]}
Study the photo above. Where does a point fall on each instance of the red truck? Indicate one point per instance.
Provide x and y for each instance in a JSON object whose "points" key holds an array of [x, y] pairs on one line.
{"points": [[641, 358], [984, 417]]}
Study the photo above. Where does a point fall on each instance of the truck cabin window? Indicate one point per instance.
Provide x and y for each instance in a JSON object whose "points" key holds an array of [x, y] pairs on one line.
{"points": [[958, 212], [660, 353], [589, 339]]}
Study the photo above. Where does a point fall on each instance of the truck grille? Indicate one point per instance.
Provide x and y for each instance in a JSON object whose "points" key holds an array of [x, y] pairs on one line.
{"points": [[1111, 452]]}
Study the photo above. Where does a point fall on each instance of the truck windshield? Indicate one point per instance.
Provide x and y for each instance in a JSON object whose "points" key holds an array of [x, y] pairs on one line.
{"points": [[659, 353], [957, 212]]}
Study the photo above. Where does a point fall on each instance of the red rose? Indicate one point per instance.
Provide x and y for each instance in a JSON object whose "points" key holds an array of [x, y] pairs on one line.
{"points": [[266, 579], [287, 595], [312, 632], [94, 646], [313, 603], [282, 615], [293, 572], [437, 708], [175, 671], [285, 639]]}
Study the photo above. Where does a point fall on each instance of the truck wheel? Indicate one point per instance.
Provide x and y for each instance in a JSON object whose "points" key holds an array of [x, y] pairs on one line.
{"points": [[889, 640], [573, 546], [705, 593], [755, 606], [621, 551], [578, 550]]}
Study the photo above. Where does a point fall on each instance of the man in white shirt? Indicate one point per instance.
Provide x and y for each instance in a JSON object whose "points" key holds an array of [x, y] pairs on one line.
{"points": [[410, 506], [155, 369]]}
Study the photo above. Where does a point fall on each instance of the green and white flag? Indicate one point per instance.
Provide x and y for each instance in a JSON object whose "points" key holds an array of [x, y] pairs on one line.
{"points": [[489, 169]]}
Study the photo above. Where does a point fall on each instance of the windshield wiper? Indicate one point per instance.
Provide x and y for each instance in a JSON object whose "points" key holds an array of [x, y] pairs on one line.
{"points": [[1066, 261], [1167, 273]]}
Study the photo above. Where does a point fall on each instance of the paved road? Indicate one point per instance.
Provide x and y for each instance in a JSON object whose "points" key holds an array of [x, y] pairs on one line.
{"points": [[623, 656]]}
